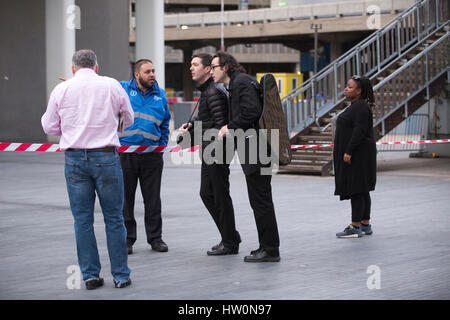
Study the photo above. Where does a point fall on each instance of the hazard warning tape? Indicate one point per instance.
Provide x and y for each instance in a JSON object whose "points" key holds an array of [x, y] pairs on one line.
{"points": [[307, 146], [47, 147]]}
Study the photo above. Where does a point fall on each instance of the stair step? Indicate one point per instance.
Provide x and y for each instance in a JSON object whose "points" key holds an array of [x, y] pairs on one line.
{"points": [[318, 136], [323, 150], [309, 162], [325, 139], [326, 120], [311, 157], [303, 168], [327, 132], [411, 55]]}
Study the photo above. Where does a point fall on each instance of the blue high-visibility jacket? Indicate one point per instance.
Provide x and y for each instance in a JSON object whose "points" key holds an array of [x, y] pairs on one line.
{"points": [[151, 116]]}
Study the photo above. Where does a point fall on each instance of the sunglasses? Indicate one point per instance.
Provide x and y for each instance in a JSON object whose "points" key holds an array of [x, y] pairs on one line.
{"points": [[356, 77]]}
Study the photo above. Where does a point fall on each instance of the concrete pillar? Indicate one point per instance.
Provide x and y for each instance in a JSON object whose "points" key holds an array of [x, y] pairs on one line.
{"points": [[23, 88], [150, 35], [104, 28], [60, 24], [439, 126], [335, 50], [187, 78]]}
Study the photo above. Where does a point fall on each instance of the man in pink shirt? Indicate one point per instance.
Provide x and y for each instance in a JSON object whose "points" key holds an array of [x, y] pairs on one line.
{"points": [[84, 111]]}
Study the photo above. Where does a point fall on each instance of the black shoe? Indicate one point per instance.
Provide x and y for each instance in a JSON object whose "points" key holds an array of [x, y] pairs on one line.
{"points": [[261, 256], [129, 248], [119, 284], [222, 250], [221, 242], [160, 246], [217, 246], [255, 251], [94, 283]]}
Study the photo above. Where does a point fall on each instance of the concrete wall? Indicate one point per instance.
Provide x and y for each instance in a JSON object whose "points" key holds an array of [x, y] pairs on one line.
{"points": [[104, 29], [440, 126], [23, 98], [22, 70]]}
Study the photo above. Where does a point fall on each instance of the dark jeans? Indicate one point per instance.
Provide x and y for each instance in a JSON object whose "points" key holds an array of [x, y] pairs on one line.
{"points": [[215, 193], [260, 196], [361, 204], [147, 169]]}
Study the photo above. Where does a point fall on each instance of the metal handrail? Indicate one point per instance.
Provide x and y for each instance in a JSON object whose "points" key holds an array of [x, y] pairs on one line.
{"points": [[423, 41], [361, 45], [393, 40], [397, 72], [409, 64]]}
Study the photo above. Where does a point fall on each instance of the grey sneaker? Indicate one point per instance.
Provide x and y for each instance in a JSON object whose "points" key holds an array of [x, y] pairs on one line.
{"points": [[367, 230], [350, 232]]}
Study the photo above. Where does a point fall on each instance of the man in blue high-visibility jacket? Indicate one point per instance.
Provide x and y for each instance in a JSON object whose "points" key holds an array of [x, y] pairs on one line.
{"points": [[150, 128]]}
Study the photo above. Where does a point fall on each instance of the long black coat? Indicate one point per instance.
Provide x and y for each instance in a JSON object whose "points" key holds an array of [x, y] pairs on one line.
{"points": [[354, 136]]}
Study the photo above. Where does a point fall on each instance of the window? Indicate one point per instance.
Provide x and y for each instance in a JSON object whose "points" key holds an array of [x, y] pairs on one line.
{"points": [[294, 83], [280, 85]]}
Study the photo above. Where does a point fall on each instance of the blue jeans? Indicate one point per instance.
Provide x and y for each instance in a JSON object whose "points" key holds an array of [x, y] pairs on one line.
{"points": [[87, 173]]}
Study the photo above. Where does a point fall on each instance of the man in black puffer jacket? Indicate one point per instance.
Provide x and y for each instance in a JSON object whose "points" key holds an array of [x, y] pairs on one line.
{"points": [[215, 186]]}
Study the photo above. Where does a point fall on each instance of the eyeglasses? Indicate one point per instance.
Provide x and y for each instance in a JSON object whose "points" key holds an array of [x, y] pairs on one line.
{"points": [[213, 66]]}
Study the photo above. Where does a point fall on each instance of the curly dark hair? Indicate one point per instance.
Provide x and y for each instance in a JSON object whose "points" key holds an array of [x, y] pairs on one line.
{"points": [[365, 85], [226, 59]]}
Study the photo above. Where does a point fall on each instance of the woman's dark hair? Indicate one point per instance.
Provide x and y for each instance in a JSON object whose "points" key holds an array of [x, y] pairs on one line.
{"points": [[226, 59], [206, 58], [366, 89]]}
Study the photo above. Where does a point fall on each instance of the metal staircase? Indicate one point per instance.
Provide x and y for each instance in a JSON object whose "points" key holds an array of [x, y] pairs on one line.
{"points": [[407, 61]]}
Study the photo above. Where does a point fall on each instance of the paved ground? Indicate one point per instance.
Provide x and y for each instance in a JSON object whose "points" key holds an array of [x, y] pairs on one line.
{"points": [[409, 250]]}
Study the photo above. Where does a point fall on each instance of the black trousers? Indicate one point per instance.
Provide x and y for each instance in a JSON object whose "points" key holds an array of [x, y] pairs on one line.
{"points": [[215, 194], [361, 204], [260, 195], [147, 169]]}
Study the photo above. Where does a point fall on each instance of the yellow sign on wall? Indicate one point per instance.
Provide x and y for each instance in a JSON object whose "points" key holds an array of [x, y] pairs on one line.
{"points": [[286, 82]]}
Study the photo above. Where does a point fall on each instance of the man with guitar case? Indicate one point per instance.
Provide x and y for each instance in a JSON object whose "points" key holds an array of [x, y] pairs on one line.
{"points": [[244, 114]]}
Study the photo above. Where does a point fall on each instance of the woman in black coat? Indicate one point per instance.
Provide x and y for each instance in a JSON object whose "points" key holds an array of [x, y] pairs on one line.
{"points": [[354, 155]]}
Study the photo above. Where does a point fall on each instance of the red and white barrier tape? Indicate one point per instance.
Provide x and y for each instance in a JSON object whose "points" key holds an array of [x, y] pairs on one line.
{"points": [[46, 147], [378, 143]]}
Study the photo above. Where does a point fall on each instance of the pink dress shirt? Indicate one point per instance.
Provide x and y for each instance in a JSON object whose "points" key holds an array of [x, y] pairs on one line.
{"points": [[84, 111]]}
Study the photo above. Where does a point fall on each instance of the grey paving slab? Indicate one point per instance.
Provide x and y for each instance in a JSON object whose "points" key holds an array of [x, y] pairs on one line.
{"points": [[410, 245]]}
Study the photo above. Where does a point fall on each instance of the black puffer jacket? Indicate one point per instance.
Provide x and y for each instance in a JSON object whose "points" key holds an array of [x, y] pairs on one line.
{"points": [[212, 111], [213, 106]]}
